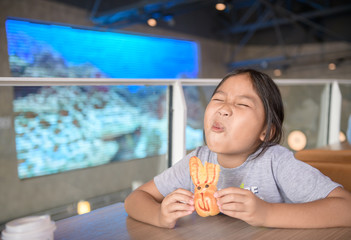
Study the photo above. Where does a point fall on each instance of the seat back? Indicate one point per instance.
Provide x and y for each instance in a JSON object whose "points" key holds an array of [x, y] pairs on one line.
{"points": [[335, 164]]}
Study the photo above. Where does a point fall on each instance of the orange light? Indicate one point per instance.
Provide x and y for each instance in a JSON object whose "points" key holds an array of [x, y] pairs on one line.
{"points": [[297, 140], [342, 137], [83, 207], [332, 66], [277, 72], [221, 6], [152, 22]]}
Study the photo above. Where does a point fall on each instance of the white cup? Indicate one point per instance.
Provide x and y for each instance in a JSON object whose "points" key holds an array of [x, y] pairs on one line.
{"points": [[30, 228]]}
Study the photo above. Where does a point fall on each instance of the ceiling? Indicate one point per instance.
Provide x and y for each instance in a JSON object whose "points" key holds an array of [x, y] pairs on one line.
{"points": [[244, 22], [315, 20]]}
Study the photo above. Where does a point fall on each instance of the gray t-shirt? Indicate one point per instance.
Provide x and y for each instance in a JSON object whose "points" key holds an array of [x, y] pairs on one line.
{"points": [[275, 176]]}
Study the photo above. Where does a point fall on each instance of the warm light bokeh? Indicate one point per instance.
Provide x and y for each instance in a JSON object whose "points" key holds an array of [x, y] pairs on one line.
{"points": [[83, 207], [297, 140]]}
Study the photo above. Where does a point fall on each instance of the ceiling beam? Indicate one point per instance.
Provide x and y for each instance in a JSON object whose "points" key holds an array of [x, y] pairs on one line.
{"points": [[295, 17], [241, 28], [143, 10]]}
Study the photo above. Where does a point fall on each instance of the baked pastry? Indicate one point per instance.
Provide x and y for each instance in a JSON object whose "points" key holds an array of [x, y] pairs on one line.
{"points": [[205, 178]]}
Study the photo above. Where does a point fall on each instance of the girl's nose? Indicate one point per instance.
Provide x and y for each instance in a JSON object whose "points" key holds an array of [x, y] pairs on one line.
{"points": [[225, 111]]}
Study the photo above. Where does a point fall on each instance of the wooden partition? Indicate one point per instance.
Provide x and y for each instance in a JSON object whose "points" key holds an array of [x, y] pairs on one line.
{"points": [[333, 160]]}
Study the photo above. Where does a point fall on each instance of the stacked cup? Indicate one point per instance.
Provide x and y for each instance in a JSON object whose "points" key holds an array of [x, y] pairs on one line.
{"points": [[30, 228]]}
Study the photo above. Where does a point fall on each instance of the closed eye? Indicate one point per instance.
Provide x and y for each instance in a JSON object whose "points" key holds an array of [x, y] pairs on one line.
{"points": [[242, 104]]}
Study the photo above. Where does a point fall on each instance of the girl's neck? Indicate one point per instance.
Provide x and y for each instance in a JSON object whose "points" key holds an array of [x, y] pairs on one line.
{"points": [[231, 161]]}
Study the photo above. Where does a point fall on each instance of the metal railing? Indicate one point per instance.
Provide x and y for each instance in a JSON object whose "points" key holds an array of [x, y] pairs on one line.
{"points": [[330, 106]]}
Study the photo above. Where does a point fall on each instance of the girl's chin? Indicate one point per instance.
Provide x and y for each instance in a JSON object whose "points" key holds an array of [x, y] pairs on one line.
{"points": [[216, 138], [215, 146]]}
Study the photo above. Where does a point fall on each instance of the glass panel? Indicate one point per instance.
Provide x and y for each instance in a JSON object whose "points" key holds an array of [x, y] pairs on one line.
{"points": [[302, 106], [196, 98], [60, 128], [345, 125]]}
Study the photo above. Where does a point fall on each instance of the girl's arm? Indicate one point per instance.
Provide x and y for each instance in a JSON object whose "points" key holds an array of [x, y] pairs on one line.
{"points": [[332, 211], [148, 205]]}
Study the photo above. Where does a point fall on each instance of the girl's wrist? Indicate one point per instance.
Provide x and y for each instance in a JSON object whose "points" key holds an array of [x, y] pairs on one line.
{"points": [[267, 214], [162, 220]]}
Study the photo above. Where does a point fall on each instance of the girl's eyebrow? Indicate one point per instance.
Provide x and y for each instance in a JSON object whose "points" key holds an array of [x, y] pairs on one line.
{"points": [[244, 96], [220, 92], [251, 98]]}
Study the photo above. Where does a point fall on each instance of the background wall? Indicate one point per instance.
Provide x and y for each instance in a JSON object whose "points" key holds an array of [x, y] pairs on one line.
{"points": [[308, 61]]}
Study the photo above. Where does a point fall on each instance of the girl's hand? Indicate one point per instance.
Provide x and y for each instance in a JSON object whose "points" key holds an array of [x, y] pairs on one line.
{"points": [[175, 205], [242, 204]]}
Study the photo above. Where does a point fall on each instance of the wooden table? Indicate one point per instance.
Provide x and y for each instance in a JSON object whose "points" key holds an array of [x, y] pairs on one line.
{"points": [[112, 222]]}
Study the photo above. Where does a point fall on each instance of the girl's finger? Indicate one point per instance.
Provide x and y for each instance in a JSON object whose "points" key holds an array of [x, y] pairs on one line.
{"points": [[233, 207], [180, 214], [231, 198], [174, 207], [184, 192], [231, 190], [235, 214], [179, 198]]}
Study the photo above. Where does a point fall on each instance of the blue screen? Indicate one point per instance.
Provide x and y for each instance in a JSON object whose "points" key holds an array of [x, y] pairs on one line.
{"points": [[45, 50], [61, 128]]}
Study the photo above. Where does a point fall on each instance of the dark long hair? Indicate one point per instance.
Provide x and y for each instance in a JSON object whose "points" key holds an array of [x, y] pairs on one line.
{"points": [[271, 98]]}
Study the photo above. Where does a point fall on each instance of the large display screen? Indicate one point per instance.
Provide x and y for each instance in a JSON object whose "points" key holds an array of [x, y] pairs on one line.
{"points": [[48, 50], [61, 128]]}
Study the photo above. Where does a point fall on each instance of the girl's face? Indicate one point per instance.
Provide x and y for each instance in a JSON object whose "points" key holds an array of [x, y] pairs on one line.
{"points": [[234, 119]]}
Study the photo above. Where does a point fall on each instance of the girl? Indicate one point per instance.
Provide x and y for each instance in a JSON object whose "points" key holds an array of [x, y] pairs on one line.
{"points": [[260, 181]]}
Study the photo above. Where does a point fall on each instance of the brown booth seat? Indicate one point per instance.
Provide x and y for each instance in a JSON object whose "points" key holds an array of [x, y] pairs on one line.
{"points": [[334, 161]]}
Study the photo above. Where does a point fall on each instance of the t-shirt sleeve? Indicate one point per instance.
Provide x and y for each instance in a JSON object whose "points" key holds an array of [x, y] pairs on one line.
{"points": [[299, 182], [177, 176]]}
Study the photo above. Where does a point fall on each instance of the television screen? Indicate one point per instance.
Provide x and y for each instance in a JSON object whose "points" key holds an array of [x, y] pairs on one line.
{"points": [[48, 50], [61, 128]]}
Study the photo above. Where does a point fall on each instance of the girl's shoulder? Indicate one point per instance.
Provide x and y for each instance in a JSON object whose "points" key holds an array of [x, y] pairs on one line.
{"points": [[278, 150], [277, 153], [280, 157]]}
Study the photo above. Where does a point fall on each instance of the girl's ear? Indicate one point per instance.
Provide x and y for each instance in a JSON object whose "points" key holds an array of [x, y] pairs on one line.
{"points": [[263, 135], [264, 132]]}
